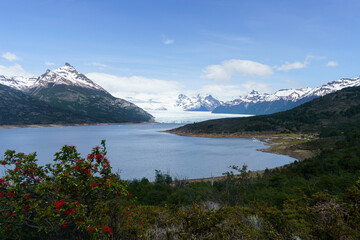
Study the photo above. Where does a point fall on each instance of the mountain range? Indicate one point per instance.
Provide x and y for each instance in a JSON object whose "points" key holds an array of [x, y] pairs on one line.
{"points": [[257, 104], [197, 103], [63, 96], [340, 108]]}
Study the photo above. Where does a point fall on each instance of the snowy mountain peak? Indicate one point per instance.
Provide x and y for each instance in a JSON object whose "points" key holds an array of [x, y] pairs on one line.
{"points": [[66, 75], [295, 95], [197, 103], [18, 82]]}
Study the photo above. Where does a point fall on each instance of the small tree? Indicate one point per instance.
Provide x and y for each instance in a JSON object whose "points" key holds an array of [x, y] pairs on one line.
{"points": [[66, 199], [162, 178]]}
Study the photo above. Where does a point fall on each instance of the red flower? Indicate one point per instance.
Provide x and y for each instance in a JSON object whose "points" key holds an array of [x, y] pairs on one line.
{"points": [[27, 197], [26, 207], [107, 229], [90, 156], [105, 166], [65, 225], [11, 195], [1, 195], [2, 180], [59, 204], [32, 170], [10, 214], [90, 229], [3, 163], [70, 211], [93, 185], [98, 157], [88, 171], [18, 168]]}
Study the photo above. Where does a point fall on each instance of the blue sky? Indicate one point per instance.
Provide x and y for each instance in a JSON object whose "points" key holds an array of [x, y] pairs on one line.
{"points": [[224, 47]]}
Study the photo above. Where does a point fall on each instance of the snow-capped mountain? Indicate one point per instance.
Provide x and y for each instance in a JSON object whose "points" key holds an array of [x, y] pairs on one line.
{"points": [[66, 75], [73, 94], [197, 103], [284, 99], [18, 82]]}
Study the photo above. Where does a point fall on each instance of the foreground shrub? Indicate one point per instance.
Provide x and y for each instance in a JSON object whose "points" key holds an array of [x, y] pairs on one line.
{"points": [[73, 198]]}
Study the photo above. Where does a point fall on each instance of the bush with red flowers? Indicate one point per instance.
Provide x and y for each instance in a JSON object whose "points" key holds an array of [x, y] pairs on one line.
{"points": [[68, 199]]}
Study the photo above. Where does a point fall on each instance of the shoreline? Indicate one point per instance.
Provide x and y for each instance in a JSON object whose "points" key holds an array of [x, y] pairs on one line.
{"points": [[277, 143], [281, 144]]}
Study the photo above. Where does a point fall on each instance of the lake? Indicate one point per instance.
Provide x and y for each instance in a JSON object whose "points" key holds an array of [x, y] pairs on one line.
{"points": [[137, 150]]}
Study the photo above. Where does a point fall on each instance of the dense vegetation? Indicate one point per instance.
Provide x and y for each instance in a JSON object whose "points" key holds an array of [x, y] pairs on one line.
{"points": [[327, 112], [318, 198]]}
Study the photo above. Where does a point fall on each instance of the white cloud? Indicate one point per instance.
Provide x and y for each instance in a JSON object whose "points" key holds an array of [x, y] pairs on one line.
{"points": [[49, 63], [11, 57], [136, 87], [290, 66], [150, 93], [168, 41], [15, 70], [227, 69], [332, 64], [97, 64], [298, 65]]}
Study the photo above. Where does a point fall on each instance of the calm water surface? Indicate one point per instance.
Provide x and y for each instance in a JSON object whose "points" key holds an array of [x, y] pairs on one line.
{"points": [[137, 150]]}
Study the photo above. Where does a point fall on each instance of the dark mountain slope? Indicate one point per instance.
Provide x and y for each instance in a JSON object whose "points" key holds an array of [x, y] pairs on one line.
{"points": [[329, 111], [17, 108], [95, 104], [67, 89], [261, 108]]}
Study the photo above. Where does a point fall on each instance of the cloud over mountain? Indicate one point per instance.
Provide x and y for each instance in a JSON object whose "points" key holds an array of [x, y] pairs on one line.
{"points": [[224, 71]]}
